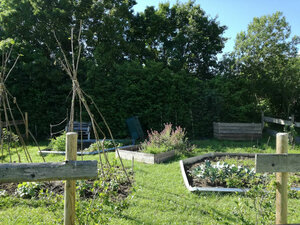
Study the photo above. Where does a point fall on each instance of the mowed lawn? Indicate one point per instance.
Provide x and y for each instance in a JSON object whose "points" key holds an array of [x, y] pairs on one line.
{"points": [[159, 195]]}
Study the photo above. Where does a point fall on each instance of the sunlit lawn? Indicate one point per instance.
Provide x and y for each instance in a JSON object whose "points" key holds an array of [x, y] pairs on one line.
{"points": [[159, 195]]}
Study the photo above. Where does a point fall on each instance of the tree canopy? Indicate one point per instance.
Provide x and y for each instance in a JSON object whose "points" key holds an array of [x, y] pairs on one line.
{"points": [[160, 64], [265, 55]]}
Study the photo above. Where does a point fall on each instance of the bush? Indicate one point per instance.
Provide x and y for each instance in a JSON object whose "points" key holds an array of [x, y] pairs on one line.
{"points": [[58, 143], [99, 145], [10, 137], [166, 140]]}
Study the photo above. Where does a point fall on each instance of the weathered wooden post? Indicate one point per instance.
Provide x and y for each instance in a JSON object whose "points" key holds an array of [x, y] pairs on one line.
{"points": [[70, 170], [70, 185], [281, 181], [26, 125], [281, 163], [262, 120]]}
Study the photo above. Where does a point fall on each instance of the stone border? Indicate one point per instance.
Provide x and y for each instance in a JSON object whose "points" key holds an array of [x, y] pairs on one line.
{"points": [[132, 153], [200, 158]]}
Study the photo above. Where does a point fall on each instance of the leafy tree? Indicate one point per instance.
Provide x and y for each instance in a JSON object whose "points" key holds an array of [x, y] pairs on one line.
{"points": [[151, 64], [265, 57], [181, 36]]}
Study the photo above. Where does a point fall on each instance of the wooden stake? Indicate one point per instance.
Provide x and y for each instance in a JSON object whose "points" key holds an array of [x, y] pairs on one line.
{"points": [[132, 163], [70, 186], [282, 181], [26, 125]]}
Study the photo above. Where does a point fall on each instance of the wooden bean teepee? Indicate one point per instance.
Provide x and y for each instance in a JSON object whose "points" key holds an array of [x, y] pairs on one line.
{"points": [[71, 68], [9, 141]]}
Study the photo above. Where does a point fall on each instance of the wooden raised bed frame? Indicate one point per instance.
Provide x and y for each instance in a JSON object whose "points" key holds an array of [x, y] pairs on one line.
{"points": [[201, 158], [132, 153], [238, 131]]}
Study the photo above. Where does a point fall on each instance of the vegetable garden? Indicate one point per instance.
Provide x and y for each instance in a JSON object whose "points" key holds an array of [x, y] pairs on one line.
{"points": [[100, 63], [158, 196]]}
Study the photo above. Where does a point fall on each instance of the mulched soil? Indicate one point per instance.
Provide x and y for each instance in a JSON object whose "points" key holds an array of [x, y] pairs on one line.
{"points": [[57, 187]]}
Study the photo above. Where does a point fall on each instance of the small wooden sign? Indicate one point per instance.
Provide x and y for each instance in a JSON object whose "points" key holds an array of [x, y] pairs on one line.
{"points": [[68, 170], [277, 163]]}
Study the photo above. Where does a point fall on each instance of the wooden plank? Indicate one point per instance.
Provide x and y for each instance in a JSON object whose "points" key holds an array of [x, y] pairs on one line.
{"points": [[238, 124], [20, 172], [242, 131], [277, 121], [145, 157], [10, 123], [277, 163], [238, 136]]}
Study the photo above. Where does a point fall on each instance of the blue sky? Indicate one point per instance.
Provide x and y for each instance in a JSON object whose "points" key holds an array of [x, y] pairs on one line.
{"points": [[237, 14]]}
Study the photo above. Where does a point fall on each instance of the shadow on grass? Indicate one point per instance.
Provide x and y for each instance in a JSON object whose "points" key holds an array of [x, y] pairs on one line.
{"points": [[204, 208]]}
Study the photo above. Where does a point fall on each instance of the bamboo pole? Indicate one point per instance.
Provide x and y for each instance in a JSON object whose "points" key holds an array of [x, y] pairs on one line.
{"points": [[281, 181], [70, 186]]}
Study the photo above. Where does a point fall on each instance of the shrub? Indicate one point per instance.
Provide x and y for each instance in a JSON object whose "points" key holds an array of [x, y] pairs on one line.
{"points": [[10, 137], [168, 139], [58, 143], [99, 145]]}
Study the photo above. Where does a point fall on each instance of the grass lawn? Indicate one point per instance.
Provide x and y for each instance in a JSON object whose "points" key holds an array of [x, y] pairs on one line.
{"points": [[159, 195]]}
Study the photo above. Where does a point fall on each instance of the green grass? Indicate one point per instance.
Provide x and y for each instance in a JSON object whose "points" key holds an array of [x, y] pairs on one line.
{"points": [[159, 195]]}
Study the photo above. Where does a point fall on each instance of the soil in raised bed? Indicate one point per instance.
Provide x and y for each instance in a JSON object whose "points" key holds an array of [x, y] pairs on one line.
{"points": [[250, 163]]}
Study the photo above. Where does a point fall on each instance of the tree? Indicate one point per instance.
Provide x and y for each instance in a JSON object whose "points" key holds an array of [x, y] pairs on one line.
{"points": [[181, 36], [265, 56]]}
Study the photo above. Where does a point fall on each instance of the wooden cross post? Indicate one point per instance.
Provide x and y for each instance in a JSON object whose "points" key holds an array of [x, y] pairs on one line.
{"points": [[70, 170], [281, 163]]}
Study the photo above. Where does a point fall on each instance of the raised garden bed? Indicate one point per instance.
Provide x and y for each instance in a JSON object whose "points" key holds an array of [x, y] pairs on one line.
{"points": [[191, 185], [133, 153], [237, 131]]}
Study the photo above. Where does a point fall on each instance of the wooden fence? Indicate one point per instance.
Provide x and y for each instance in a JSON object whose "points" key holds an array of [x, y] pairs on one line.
{"points": [[281, 121], [291, 121], [237, 131]]}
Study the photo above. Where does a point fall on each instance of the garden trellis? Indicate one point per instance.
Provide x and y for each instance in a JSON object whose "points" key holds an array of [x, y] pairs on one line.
{"points": [[71, 68], [8, 123], [68, 170]]}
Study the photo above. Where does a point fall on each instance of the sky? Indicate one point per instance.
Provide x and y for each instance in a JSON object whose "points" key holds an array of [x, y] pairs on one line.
{"points": [[237, 14]]}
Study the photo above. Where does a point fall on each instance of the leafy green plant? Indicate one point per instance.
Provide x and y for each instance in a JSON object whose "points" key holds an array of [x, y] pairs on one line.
{"points": [[292, 133], [99, 145], [166, 140], [58, 143], [10, 137], [28, 189], [260, 198], [3, 193], [225, 174], [100, 194]]}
